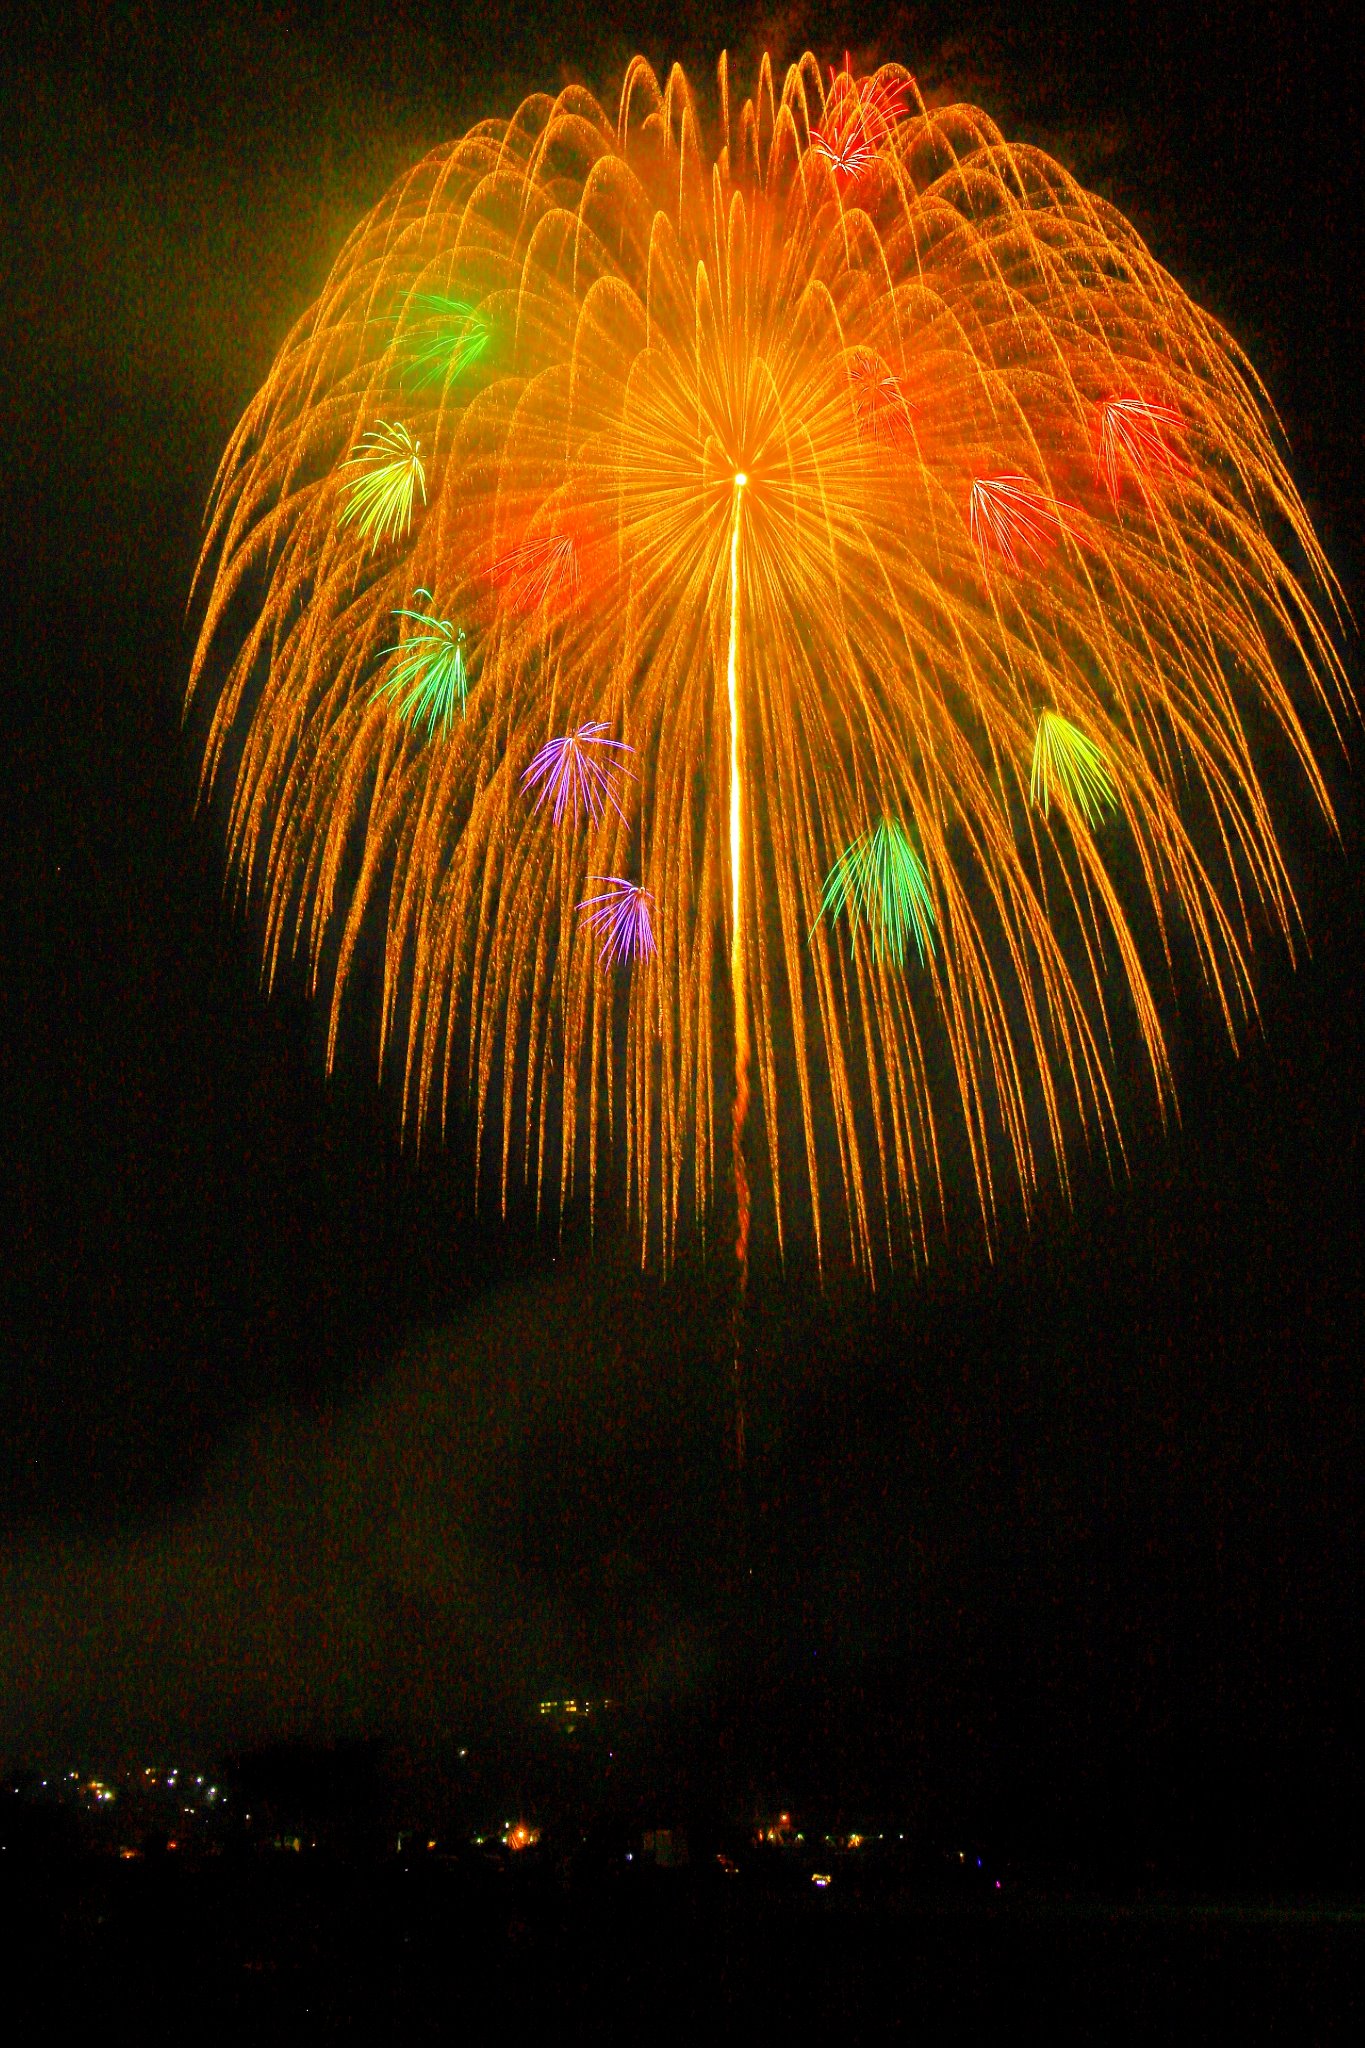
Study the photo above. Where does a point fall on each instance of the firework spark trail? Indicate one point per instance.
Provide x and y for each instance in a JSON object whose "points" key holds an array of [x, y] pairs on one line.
{"points": [[1016, 524], [738, 992]]}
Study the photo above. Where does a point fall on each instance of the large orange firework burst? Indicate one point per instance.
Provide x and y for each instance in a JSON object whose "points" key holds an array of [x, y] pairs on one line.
{"points": [[857, 501]]}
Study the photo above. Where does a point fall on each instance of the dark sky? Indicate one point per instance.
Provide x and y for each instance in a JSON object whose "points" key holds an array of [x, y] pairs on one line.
{"points": [[289, 1439]]}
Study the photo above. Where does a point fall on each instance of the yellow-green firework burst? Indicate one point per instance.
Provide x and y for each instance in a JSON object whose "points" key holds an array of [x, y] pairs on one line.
{"points": [[389, 474], [1068, 766]]}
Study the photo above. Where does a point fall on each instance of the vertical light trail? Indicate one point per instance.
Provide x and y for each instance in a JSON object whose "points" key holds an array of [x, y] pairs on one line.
{"points": [[731, 677], [737, 978]]}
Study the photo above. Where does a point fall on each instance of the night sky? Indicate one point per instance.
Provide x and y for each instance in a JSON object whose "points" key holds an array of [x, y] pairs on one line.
{"points": [[294, 1443]]}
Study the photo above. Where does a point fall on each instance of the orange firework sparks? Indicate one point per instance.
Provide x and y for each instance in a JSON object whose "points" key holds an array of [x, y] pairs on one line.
{"points": [[621, 411]]}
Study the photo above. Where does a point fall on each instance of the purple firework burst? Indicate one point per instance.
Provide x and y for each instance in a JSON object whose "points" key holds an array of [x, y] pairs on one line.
{"points": [[622, 918], [568, 771]]}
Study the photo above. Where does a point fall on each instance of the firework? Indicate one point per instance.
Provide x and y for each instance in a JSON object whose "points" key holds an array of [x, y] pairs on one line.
{"points": [[379, 499], [1068, 766], [859, 116], [440, 337], [1134, 435], [568, 772], [1012, 518], [880, 881], [430, 678], [622, 917], [940, 558], [538, 572], [880, 407]]}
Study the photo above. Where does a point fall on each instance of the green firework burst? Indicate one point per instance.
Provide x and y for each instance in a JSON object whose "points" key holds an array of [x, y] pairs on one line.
{"points": [[881, 881], [433, 676], [438, 338]]}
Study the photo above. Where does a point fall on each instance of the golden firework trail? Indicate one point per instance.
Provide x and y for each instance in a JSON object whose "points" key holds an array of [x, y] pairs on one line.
{"points": [[930, 555], [738, 993]]}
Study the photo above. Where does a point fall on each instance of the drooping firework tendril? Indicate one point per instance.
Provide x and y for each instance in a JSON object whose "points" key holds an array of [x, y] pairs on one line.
{"points": [[1135, 440], [860, 115], [880, 406], [537, 573], [1012, 518]]}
